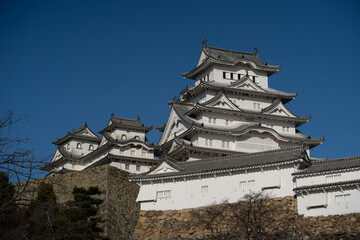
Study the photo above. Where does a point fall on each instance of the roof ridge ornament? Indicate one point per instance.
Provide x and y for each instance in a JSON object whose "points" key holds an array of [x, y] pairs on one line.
{"points": [[256, 51], [204, 43]]}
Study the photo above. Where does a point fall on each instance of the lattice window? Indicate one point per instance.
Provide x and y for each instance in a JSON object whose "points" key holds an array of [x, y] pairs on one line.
{"points": [[204, 189]]}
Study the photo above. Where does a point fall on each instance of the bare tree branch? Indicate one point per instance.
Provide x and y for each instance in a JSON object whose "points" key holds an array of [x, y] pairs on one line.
{"points": [[17, 160]]}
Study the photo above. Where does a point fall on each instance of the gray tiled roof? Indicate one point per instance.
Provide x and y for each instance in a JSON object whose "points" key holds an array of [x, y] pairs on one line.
{"points": [[75, 135], [247, 127], [110, 157], [328, 185], [268, 92], [182, 144], [325, 166], [230, 57], [200, 107], [234, 162], [125, 123], [108, 137]]}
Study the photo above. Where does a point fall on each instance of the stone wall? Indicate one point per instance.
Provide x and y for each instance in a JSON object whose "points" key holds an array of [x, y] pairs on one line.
{"points": [[286, 224], [119, 209]]}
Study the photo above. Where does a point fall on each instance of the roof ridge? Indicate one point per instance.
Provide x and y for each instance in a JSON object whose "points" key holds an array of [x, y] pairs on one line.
{"points": [[336, 160], [230, 50], [131, 119]]}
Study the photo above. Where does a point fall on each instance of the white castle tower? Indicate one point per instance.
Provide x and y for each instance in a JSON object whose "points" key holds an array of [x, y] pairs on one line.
{"points": [[231, 109]]}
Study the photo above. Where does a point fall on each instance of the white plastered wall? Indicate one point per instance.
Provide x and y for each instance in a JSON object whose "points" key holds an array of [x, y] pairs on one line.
{"points": [[337, 202], [188, 193]]}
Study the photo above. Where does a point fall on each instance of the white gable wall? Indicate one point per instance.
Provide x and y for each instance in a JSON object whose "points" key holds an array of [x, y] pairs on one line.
{"points": [[261, 76], [130, 134], [73, 148]]}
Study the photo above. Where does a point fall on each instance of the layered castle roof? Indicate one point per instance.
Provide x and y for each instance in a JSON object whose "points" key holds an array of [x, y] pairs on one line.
{"points": [[231, 110]]}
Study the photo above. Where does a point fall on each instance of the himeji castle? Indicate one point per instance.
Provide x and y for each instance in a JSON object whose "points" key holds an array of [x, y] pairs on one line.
{"points": [[227, 135]]}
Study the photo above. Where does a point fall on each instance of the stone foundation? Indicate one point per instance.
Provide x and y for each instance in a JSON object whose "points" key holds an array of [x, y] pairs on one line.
{"points": [[119, 209], [287, 224]]}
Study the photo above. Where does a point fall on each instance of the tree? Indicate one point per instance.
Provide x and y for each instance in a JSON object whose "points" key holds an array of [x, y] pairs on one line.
{"points": [[17, 161], [45, 218], [81, 213], [9, 217], [213, 219], [255, 216]]}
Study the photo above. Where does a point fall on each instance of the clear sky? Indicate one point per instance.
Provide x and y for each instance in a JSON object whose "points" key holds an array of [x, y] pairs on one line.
{"points": [[66, 62]]}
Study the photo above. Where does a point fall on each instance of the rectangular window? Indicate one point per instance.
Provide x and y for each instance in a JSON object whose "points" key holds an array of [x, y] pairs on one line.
{"points": [[333, 178], [242, 185], [137, 168], [127, 167], [227, 75], [225, 144], [132, 152], [121, 150], [212, 120], [253, 77], [285, 129], [163, 194], [204, 189], [256, 105], [251, 184], [224, 75], [342, 198]]}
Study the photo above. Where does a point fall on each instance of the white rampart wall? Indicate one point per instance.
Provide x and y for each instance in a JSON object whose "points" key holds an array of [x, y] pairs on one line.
{"points": [[195, 192], [335, 202], [338, 200]]}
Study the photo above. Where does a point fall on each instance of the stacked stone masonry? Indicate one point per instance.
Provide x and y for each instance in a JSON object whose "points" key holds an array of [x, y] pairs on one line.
{"points": [[119, 209], [287, 224]]}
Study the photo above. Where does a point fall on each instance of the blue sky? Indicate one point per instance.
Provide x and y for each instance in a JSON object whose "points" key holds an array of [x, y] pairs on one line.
{"points": [[66, 62]]}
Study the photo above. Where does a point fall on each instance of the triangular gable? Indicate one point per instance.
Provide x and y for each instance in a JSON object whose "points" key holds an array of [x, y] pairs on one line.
{"points": [[86, 132], [163, 167], [57, 156], [221, 101], [247, 84], [103, 141], [279, 109], [174, 146], [202, 58], [175, 125]]}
